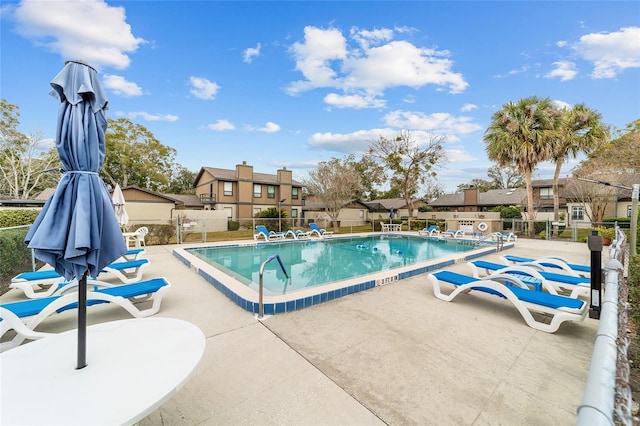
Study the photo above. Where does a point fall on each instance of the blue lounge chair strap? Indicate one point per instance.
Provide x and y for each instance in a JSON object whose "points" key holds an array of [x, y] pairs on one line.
{"points": [[39, 275]]}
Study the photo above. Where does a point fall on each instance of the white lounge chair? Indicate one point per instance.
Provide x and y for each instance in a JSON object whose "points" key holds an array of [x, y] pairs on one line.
{"points": [[133, 254], [577, 286], [314, 228], [32, 312], [551, 262], [560, 308], [45, 283], [263, 232], [432, 231]]}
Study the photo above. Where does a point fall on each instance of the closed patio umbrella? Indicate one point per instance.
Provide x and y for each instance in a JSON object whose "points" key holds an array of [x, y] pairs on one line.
{"points": [[118, 204], [77, 232], [391, 215]]}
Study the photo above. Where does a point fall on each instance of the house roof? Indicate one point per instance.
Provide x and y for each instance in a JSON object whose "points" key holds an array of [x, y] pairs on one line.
{"points": [[388, 203], [44, 195], [493, 197], [229, 175], [167, 197], [187, 199], [312, 203]]}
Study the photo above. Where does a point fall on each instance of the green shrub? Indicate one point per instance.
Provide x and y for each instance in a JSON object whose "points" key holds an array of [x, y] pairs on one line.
{"points": [[15, 257], [17, 217], [276, 221], [158, 234], [233, 225], [418, 225], [508, 212]]}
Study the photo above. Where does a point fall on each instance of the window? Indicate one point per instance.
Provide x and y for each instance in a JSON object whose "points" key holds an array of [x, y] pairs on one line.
{"points": [[294, 213], [271, 191], [294, 193], [361, 214], [257, 190], [228, 188], [546, 193], [577, 213], [629, 211]]}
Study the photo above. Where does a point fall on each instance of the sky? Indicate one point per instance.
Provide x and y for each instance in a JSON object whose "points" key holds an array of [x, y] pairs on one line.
{"points": [[293, 83]]}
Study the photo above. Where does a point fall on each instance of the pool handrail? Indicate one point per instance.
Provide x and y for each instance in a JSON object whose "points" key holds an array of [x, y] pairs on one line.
{"points": [[260, 289]]}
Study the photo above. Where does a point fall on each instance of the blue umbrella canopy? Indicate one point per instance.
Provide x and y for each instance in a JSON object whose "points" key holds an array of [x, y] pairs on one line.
{"points": [[391, 214], [77, 230]]}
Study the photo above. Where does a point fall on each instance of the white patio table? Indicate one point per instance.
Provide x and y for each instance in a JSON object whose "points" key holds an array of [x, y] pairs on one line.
{"points": [[133, 367]]}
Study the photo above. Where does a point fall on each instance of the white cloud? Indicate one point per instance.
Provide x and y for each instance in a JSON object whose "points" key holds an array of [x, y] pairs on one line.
{"points": [[46, 143], [221, 125], [610, 53], [561, 104], [370, 64], [202, 88], [120, 86], [563, 70], [354, 101], [458, 155], [88, 30], [152, 117], [358, 142], [250, 52], [365, 37], [468, 107], [270, 127], [439, 122]]}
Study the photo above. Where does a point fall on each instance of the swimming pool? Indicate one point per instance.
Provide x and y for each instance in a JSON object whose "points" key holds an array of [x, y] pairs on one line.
{"points": [[320, 269]]}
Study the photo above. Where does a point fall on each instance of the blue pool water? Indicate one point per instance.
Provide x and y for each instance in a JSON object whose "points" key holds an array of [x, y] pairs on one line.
{"points": [[313, 263]]}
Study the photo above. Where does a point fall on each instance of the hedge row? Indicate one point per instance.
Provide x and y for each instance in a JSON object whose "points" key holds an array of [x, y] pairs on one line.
{"points": [[17, 217], [15, 257]]}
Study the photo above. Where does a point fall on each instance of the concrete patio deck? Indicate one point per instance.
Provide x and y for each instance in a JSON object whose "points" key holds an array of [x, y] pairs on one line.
{"points": [[391, 355]]}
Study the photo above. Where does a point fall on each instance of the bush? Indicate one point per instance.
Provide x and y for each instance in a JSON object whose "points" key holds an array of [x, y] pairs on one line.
{"points": [[15, 257], [17, 217], [159, 234], [508, 212], [233, 225], [273, 225]]}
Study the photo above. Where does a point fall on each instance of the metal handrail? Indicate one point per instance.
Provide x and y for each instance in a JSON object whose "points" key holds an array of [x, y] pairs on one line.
{"points": [[260, 289]]}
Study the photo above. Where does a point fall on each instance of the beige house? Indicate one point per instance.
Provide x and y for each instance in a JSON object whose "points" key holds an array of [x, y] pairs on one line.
{"points": [[380, 209], [242, 193], [148, 207], [352, 213]]}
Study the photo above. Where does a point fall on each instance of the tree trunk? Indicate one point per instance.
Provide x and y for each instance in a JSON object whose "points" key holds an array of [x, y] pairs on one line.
{"points": [[527, 176], [556, 195]]}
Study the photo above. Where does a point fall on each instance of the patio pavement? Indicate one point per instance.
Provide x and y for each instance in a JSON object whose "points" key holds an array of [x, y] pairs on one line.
{"points": [[391, 355]]}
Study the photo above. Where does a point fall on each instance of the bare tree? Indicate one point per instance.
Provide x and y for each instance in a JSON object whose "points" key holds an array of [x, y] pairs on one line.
{"points": [[23, 157], [503, 177], [411, 163], [334, 183]]}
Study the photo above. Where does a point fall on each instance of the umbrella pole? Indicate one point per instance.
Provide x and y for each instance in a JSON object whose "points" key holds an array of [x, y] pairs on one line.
{"points": [[82, 322]]}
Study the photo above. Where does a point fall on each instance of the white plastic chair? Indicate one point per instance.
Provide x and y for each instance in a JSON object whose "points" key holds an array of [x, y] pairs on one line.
{"points": [[140, 234]]}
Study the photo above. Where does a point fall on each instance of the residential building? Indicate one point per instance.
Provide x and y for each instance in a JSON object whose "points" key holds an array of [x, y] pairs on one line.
{"points": [[352, 213], [242, 193], [380, 209], [472, 200]]}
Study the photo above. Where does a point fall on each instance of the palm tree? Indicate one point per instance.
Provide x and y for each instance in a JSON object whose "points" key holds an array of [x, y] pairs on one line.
{"points": [[522, 134], [580, 131]]}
